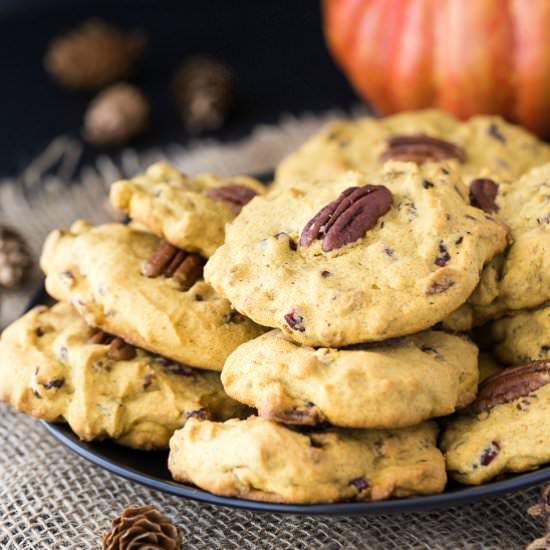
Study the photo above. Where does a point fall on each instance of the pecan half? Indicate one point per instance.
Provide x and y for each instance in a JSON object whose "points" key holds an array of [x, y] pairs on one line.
{"points": [[483, 193], [184, 267], [421, 148], [233, 194], [308, 415], [347, 218], [119, 350], [510, 384]]}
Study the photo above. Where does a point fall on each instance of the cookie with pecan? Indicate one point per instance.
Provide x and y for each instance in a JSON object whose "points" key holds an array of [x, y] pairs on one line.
{"points": [[519, 278], [505, 429], [190, 213], [55, 367], [262, 460], [392, 384], [366, 258], [130, 284], [482, 146]]}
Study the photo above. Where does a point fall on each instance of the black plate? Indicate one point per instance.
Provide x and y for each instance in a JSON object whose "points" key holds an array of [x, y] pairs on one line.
{"points": [[149, 468]]}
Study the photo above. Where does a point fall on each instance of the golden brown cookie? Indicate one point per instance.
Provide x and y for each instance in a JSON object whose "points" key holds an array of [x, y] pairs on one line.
{"points": [[111, 274], [365, 258], [261, 460], [483, 145], [55, 367], [391, 385], [505, 429], [522, 337], [190, 213]]}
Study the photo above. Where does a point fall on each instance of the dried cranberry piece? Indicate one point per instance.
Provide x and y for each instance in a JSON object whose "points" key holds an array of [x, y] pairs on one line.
{"points": [[489, 454], [444, 255], [494, 131], [295, 320], [55, 383], [360, 483]]}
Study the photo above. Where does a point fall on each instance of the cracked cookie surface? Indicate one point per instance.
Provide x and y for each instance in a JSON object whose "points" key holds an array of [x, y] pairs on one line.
{"points": [[98, 270], [51, 368], [261, 460], [505, 430], [490, 146], [418, 264], [391, 385], [190, 213]]}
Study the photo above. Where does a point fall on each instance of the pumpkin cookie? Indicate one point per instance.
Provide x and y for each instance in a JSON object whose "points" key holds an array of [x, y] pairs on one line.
{"points": [[55, 367], [128, 283], [363, 259], [391, 385], [261, 460], [484, 145], [520, 277], [190, 213], [523, 337], [505, 429]]}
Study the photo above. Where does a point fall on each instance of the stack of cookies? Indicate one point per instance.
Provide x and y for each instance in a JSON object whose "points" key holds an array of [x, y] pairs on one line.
{"points": [[345, 304], [135, 344]]}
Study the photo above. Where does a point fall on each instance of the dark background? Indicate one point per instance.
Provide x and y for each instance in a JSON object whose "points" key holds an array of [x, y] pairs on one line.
{"points": [[275, 47]]}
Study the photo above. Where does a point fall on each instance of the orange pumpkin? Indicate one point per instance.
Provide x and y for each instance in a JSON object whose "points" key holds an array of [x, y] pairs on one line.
{"points": [[465, 56]]}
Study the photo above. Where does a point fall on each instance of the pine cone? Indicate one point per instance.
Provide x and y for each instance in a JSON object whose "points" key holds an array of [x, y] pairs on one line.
{"points": [[142, 527], [203, 88], [541, 509], [116, 115], [93, 55], [15, 259]]}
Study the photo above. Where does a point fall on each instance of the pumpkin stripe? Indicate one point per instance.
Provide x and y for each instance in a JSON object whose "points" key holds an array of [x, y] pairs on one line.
{"points": [[533, 63]]}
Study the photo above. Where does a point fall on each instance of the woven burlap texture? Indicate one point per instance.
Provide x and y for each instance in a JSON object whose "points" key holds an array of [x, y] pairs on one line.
{"points": [[52, 499]]}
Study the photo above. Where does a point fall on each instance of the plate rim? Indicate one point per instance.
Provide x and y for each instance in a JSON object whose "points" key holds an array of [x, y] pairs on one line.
{"points": [[463, 495]]}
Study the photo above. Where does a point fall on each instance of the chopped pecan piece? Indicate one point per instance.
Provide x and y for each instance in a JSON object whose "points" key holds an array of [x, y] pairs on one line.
{"points": [[119, 350], [308, 415], [233, 194], [184, 267], [483, 193], [510, 384], [100, 337], [421, 148], [347, 218]]}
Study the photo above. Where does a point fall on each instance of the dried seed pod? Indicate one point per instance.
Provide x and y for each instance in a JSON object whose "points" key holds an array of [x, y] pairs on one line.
{"points": [[203, 88], [142, 527], [93, 55], [116, 115], [15, 258], [541, 509]]}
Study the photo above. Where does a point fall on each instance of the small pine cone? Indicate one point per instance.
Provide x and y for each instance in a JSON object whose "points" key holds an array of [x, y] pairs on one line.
{"points": [[15, 259], [204, 91], [542, 509], [142, 527], [93, 55], [116, 115]]}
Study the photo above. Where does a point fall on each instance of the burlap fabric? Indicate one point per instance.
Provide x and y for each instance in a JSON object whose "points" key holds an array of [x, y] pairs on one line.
{"points": [[52, 499]]}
